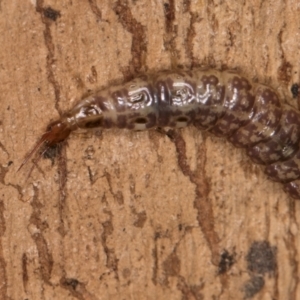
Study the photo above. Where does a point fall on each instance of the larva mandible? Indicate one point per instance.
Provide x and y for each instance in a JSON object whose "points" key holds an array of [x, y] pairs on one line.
{"points": [[224, 103]]}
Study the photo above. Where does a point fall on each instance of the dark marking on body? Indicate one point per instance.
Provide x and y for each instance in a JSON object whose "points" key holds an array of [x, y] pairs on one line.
{"points": [[94, 124]]}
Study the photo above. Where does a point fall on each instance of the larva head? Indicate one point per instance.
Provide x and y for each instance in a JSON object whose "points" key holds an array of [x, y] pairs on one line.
{"points": [[56, 132]]}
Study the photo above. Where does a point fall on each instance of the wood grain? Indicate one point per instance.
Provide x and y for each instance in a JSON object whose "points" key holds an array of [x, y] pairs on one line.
{"points": [[142, 215]]}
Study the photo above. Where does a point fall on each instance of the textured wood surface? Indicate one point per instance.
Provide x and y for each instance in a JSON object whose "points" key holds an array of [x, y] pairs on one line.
{"points": [[141, 216]]}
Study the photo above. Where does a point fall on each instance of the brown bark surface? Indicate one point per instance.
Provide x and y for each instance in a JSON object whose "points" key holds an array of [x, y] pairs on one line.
{"points": [[141, 216]]}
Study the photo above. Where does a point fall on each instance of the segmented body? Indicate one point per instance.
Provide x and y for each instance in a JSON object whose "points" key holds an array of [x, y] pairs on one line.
{"points": [[225, 103]]}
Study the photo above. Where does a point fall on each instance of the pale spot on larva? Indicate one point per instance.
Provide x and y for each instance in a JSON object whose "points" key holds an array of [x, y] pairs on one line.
{"points": [[273, 157], [233, 126], [244, 101]]}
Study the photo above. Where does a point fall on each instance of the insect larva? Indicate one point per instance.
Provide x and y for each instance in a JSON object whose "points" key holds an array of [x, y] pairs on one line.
{"points": [[225, 103]]}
